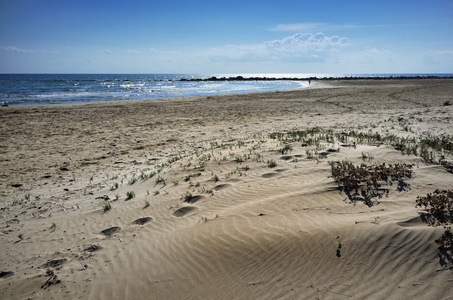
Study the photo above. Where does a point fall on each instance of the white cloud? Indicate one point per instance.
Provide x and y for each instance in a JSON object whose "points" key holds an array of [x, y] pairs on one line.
{"points": [[305, 42], [15, 49], [132, 51], [447, 52], [164, 52], [377, 52], [315, 26], [108, 51], [298, 47]]}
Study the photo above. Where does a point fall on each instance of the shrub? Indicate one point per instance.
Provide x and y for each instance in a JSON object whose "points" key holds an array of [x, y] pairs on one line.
{"points": [[440, 206], [368, 180]]}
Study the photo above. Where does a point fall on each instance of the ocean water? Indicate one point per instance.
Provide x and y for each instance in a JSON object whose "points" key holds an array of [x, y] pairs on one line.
{"points": [[66, 88], [18, 89]]}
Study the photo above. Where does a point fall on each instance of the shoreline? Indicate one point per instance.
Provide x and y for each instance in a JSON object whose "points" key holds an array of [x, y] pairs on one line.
{"points": [[358, 77], [315, 81], [194, 197]]}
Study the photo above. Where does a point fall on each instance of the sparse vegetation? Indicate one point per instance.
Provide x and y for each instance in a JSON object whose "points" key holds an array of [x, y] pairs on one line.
{"points": [[107, 207], [146, 204], [271, 163], [287, 148], [114, 186], [130, 195], [159, 180], [187, 197]]}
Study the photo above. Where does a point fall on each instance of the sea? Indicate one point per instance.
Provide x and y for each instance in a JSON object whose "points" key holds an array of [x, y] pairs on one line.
{"points": [[23, 89]]}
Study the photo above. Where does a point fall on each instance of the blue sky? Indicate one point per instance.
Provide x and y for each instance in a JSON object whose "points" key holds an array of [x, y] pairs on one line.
{"points": [[96, 36]]}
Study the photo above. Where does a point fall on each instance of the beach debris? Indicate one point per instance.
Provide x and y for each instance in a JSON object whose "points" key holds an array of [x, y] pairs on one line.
{"points": [[53, 279], [103, 197]]}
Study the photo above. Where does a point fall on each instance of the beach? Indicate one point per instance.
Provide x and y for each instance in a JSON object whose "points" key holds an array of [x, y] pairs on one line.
{"points": [[212, 197]]}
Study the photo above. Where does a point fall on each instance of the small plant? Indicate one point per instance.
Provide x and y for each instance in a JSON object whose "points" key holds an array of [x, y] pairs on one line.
{"points": [[114, 187], [130, 195], [107, 207], [53, 226], [156, 193], [159, 180], [187, 197], [271, 163], [287, 148], [21, 236], [367, 156], [146, 204], [215, 178], [27, 197]]}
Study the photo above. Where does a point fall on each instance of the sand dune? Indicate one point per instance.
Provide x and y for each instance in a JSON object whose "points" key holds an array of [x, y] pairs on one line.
{"points": [[204, 202]]}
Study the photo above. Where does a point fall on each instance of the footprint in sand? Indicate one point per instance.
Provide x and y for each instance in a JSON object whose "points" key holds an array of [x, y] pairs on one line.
{"points": [[184, 211], [193, 199], [110, 231], [269, 175], [92, 248], [222, 186], [54, 263], [286, 157], [142, 221]]}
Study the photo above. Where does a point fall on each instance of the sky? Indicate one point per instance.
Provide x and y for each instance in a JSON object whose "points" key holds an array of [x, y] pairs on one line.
{"points": [[222, 37]]}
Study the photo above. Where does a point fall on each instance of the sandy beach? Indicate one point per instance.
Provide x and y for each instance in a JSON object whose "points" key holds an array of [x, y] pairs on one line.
{"points": [[212, 197]]}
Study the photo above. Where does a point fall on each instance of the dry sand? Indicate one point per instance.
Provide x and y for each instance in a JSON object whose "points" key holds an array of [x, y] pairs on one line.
{"points": [[245, 231]]}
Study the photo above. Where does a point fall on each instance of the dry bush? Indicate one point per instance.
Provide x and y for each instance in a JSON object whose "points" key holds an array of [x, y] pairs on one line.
{"points": [[367, 180], [440, 206]]}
